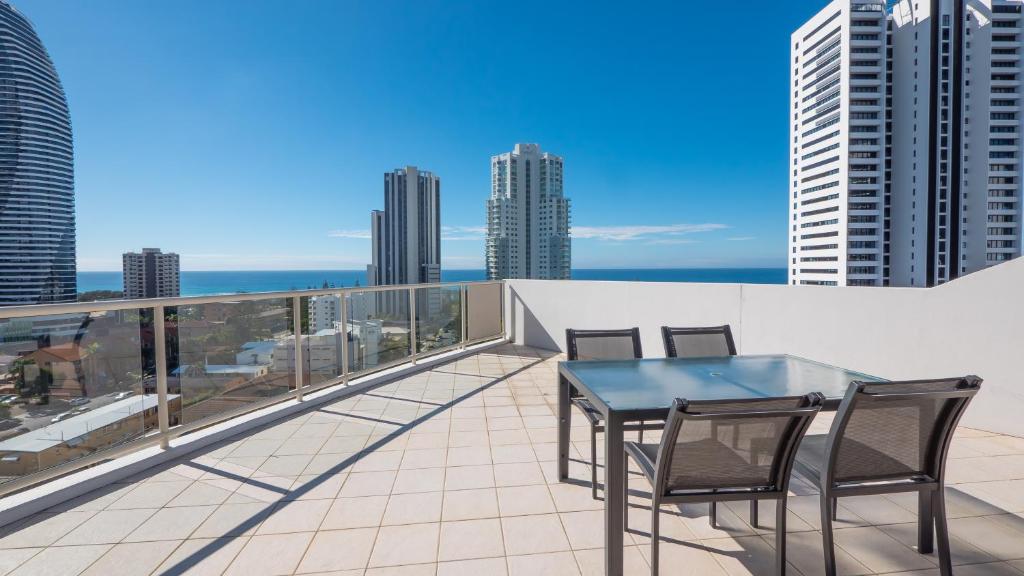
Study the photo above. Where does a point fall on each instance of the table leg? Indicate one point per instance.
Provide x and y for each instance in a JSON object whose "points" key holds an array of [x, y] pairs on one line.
{"points": [[614, 488], [564, 423]]}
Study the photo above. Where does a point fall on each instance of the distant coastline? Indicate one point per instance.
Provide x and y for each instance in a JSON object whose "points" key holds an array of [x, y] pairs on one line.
{"points": [[195, 283]]}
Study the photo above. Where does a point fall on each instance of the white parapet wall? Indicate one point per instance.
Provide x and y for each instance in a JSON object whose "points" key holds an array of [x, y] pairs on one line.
{"points": [[973, 325]]}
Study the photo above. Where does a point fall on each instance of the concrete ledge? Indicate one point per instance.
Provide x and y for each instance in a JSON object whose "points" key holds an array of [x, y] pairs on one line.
{"points": [[36, 499]]}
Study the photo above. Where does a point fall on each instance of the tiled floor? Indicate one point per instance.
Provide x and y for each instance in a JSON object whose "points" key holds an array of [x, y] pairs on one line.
{"points": [[452, 472]]}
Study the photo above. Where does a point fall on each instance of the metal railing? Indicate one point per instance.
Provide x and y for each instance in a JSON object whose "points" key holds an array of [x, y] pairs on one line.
{"points": [[83, 399]]}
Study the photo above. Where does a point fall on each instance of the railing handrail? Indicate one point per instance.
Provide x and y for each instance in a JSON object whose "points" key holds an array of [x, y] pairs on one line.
{"points": [[55, 308]]}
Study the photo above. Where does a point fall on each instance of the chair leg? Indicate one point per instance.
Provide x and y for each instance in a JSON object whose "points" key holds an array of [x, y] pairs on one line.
{"points": [[753, 513], [780, 536], [939, 499], [925, 523], [713, 514], [827, 504], [593, 461], [640, 435], [835, 509], [655, 535]]}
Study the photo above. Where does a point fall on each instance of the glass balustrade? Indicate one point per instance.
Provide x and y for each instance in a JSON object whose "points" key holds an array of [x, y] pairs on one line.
{"points": [[78, 381]]}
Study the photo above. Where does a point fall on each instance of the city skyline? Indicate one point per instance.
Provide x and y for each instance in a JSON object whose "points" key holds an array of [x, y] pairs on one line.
{"points": [[220, 151]]}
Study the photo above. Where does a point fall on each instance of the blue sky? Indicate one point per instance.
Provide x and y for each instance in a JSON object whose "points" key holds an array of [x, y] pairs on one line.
{"points": [[253, 135]]}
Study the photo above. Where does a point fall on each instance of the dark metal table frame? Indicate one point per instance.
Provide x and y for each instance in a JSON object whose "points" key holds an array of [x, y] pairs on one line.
{"points": [[614, 455]]}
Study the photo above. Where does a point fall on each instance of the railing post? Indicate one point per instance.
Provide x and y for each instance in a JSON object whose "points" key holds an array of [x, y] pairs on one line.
{"points": [[463, 291], [412, 325], [344, 340], [501, 308], [297, 331], [160, 345]]}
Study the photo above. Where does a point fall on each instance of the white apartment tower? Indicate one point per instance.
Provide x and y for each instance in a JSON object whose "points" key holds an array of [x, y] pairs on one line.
{"points": [[527, 216], [905, 142], [324, 312], [151, 274]]}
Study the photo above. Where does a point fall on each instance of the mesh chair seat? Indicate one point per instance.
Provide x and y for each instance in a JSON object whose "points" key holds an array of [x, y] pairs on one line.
{"points": [[714, 464], [810, 459], [717, 472], [810, 456], [645, 455]]}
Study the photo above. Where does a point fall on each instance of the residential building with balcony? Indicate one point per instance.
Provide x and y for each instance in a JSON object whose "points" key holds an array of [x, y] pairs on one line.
{"points": [[905, 142], [151, 274], [37, 189], [324, 311], [528, 216]]}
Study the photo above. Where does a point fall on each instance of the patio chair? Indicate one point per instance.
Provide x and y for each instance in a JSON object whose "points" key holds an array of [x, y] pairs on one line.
{"points": [[698, 342], [698, 461], [701, 342], [602, 345], [887, 438]]}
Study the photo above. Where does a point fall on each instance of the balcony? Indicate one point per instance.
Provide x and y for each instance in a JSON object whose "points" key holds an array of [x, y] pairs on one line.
{"points": [[447, 466]]}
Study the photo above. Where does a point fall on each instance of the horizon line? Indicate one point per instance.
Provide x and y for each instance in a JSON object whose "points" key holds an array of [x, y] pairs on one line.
{"points": [[733, 267]]}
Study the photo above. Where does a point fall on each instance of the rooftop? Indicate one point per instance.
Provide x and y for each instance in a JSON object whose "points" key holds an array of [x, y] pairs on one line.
{"points": [[74, 427], [452, 471]]}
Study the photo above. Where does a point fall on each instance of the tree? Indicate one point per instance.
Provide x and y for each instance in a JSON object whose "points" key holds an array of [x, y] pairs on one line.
{"points": [[96, 295], [31, 385]]}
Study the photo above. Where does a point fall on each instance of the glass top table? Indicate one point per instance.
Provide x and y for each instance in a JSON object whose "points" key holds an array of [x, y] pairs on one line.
{"points": [[642, 385], [626, 391]]}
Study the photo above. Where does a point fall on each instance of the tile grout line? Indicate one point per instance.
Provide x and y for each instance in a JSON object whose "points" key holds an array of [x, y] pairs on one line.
{"points": [[494, 481]]}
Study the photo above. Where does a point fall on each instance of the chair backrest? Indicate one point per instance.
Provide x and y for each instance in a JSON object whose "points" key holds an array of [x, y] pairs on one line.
{"points": [[894, 431], [746, 444], [698, 342], [603, 344]]}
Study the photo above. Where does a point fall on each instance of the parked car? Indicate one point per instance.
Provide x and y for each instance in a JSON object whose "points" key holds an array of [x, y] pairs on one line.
{"points": [[80, 410], [8, 399], [81, 401], [61, 416], [123, 395]]}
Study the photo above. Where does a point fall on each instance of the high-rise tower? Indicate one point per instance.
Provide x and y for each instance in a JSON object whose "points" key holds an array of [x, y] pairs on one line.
{"points": [[905, 142], [151, 274], [37, 191], [527, 217], [407, 233]]}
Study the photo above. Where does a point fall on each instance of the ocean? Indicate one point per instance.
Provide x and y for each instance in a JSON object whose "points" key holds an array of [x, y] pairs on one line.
{"points": [[203, 283]]}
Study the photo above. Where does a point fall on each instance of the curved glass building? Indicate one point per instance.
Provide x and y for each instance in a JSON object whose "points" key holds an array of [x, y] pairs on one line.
{"points": [[37, 192]]}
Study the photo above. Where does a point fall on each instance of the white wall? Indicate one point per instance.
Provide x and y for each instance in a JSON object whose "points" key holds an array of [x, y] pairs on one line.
{"points": [[974, 325], [543, 309]]}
